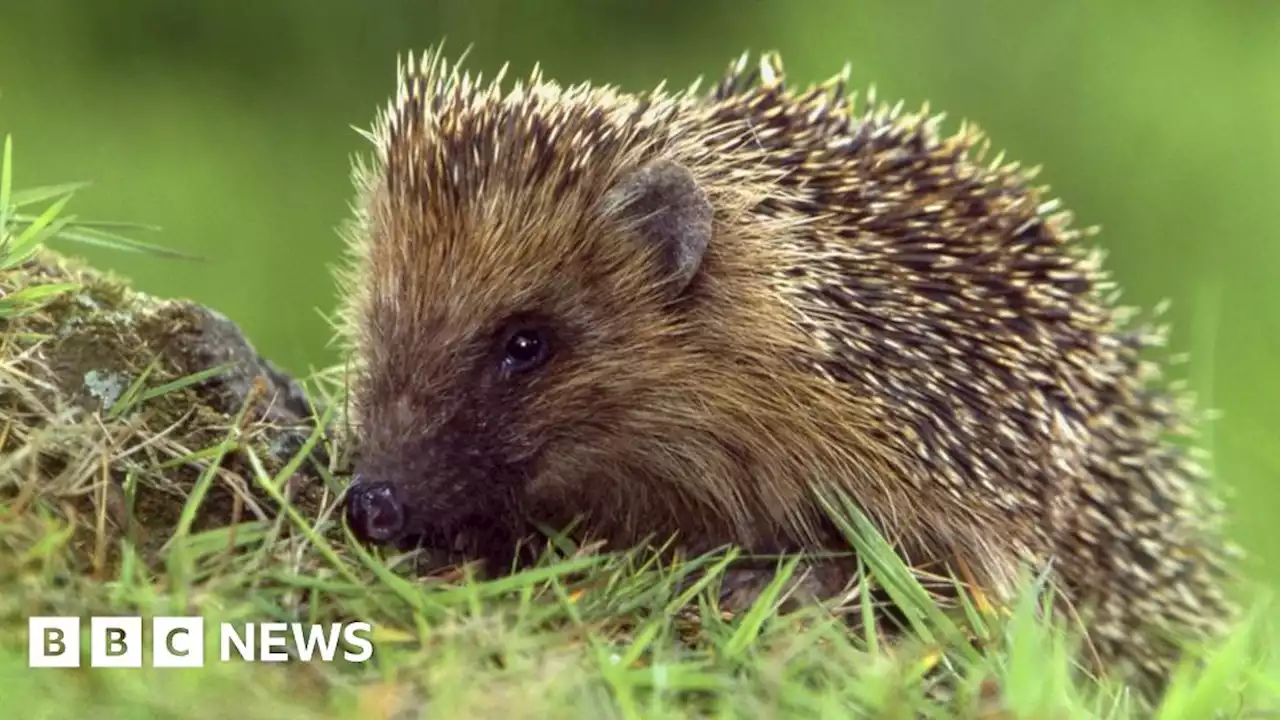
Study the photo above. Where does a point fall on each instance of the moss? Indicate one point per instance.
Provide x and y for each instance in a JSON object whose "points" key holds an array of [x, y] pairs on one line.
{"points": [[77, 435]]}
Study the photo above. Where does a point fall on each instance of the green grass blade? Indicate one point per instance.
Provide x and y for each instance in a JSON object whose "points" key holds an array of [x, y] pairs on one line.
{"points": [[752, 623], [6, 188], [31, 196], [85, 235], [28, 242]]}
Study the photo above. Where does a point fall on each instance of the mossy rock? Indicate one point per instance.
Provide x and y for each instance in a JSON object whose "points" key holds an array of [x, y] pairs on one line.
{"points": [[101, 422]]}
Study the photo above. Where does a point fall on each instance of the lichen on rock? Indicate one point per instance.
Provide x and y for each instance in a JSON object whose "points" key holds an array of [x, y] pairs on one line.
{"points": [[100, 419]]}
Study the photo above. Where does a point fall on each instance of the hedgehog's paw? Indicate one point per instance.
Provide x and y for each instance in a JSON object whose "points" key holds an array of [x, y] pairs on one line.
{"points": [[811, 583]]}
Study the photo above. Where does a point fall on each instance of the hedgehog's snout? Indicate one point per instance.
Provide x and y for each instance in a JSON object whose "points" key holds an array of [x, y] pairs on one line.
{"points": [[375, 511]]}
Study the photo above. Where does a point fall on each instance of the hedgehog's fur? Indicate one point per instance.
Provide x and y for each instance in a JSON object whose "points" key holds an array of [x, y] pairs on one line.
{"points": [[877, 311]]}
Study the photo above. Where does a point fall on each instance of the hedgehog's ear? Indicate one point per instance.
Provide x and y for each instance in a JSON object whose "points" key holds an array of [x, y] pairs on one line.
{"points": [[667, 209]]}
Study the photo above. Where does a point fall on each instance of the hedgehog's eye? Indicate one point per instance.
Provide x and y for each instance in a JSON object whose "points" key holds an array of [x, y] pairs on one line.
{"points": [[525, 350]]}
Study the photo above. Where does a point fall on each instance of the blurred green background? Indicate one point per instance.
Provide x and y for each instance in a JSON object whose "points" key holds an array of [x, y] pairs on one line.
{"points": [[229, 124]]}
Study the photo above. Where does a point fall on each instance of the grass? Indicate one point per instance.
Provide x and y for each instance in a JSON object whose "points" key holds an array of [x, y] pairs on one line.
{"points": [[583, 634]]}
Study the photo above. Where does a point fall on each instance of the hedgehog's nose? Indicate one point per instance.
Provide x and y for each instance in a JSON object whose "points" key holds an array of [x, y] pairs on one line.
{"points": [[374, 512]]}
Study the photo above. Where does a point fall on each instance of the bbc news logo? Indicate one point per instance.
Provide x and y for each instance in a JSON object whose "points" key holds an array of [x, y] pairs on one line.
{"points": [[178, 642]]}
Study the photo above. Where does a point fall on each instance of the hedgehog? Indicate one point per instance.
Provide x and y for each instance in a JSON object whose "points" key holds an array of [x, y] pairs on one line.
{"points": [[688, 315]]}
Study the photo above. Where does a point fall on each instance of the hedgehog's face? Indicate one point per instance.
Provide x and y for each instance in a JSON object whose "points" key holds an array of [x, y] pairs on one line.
{"points": [[447, 435], [502, 350]]}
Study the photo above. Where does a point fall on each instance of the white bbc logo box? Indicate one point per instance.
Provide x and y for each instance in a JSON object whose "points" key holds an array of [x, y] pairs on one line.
{"points": [[115, 642]]}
